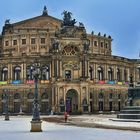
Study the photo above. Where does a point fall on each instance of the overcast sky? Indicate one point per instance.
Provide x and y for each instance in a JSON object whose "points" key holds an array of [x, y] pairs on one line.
{"points": [[118, 18]]}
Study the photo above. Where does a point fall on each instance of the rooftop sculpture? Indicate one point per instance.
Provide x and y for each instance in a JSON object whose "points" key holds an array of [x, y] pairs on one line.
{"points": [[67, 19]]}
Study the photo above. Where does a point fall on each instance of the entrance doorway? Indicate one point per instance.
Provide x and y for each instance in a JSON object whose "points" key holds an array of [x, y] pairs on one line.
{"points": [[72, 101], [17, 107]]}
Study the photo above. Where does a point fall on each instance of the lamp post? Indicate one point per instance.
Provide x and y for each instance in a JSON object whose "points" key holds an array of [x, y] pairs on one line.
{"points": [[5, 97], [36, 122]]}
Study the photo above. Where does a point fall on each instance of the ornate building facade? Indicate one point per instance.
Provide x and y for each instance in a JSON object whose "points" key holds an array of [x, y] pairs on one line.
{"points": [[78, 71]]}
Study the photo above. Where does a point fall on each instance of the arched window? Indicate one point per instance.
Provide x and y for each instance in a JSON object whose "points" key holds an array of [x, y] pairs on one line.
{"points": [[30, 96], [44, 96], [110, 96], [45, 73], [85, 106], [84, 101], [119, 96], [62, 106], [70, 50], [125, 75], [100, 102], [3, 96], [118, 74], [91, 95], [61, 102], [16, 96], [100, 73], [110, 74], [4, 76], [91, 73], [29, 73], [17, 72], [100, 95]]}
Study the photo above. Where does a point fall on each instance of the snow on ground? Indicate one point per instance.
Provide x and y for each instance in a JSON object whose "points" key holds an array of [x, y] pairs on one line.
{"points": [[108, 121], [18, 128]]}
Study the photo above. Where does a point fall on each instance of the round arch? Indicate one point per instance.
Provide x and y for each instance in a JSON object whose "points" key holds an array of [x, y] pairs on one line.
{"points": [[72, 101]]}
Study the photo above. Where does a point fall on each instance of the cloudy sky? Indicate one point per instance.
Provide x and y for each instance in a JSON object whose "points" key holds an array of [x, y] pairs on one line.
{"points": [[118, 18]]}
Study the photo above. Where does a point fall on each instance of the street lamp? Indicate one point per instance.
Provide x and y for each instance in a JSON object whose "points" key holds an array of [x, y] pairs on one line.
{"points": [[36, 122], [5, 97]]}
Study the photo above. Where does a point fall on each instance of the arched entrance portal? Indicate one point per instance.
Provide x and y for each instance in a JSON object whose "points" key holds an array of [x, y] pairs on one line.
{"points": [[72, 101]]}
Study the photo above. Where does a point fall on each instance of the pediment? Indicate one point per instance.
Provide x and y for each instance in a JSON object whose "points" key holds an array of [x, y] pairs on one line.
{"points": [[38, 22]]}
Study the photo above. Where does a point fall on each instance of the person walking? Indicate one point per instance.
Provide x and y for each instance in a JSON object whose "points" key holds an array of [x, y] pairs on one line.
{"points": [[65, 116]]}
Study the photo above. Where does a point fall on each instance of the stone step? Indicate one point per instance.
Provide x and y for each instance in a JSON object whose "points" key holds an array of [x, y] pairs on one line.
{"points": [[128, 116], [130, 112], [131, 108]]}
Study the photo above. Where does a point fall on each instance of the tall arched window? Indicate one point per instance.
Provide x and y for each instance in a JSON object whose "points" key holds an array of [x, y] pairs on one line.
{"points": [[125, 75], [110, 102], [91, 73], [4, 76], [100, 73], [44, 96], [100, 96], [29, 73], [118, 74], [17, 72], [45, 73], [100, 102], [16, 96], [30, 95], [110, 74]]}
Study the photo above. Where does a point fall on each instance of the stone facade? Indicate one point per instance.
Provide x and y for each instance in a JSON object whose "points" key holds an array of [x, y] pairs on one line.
{"points": [[79, 72]]}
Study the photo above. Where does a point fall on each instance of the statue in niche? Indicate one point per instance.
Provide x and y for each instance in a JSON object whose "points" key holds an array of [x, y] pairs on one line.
{"points": [[86, 45], [55, 45]]}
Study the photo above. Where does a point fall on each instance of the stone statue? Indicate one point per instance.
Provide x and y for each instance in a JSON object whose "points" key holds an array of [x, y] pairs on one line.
{"points": [[45, 12], [7, 21], [67, 19], [81, 24], [86, 45], [99, 34], [55, 45]]}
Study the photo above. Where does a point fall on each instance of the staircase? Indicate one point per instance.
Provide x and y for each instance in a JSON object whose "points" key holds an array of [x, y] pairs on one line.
{"points": [[129, 112]]}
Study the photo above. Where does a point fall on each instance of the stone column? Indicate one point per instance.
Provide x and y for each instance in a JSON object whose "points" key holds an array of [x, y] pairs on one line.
{"points": [[60, 71], [80, 71], [22, 72], [105, 72], [57, 67], [11, 73], [80, 100], [86, 67], [52, 64], [50, 70], [115, 73], [53, 98], [96, 71], [37, 42], [18, 45], [122, 74], [128, 73]]}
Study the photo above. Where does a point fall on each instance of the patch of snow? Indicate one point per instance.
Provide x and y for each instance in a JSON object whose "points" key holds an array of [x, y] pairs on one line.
{"points": [[18, 128]]}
